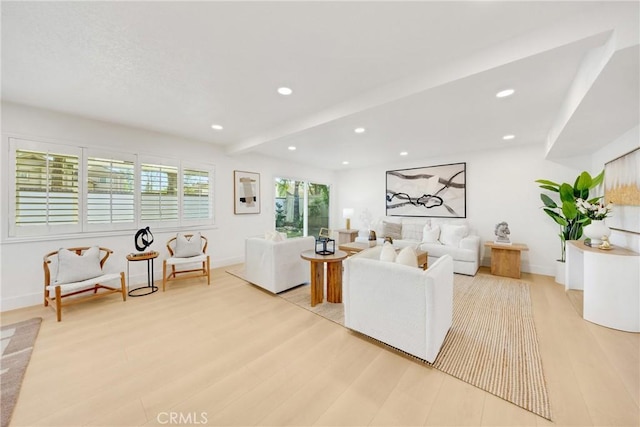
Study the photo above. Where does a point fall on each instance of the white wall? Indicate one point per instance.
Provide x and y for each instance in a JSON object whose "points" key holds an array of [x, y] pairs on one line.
{"points": [[500, 184], [21, 275], [500, 187], [624, 144]]}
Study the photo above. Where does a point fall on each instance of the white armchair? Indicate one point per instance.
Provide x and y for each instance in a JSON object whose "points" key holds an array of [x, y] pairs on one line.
{"points": [[405, 307], [276, 265]]}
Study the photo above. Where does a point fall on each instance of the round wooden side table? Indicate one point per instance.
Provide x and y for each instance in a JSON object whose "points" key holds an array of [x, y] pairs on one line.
{"points": [[334, 275]]}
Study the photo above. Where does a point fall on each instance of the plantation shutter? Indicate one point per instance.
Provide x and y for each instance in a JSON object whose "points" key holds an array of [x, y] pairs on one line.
{"points": [[46, 188], [110, 191], [196, 202], [158, 193]]}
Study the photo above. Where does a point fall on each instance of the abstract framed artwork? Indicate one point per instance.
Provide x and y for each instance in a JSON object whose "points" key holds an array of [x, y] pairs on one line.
{"points": [[622, 189], [432, 191], [246, 192]]}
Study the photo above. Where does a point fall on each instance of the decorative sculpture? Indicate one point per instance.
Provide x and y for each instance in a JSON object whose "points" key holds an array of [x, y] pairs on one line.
{"points": [[143, 239], [502, 233]]}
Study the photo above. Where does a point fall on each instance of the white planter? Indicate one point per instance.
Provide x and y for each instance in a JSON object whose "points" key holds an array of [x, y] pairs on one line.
{"points": [[560, 272], [596, 230]]}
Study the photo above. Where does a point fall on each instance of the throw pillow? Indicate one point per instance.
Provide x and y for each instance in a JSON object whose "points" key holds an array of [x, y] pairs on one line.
{"points": [[431, 234], [388, 253], [76, 268], [451, 235], [407, 256], [188, 247], [391, 229], [412, 231]]}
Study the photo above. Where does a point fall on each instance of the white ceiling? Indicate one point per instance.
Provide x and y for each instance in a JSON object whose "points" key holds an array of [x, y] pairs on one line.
{"points": [[421, 77]]}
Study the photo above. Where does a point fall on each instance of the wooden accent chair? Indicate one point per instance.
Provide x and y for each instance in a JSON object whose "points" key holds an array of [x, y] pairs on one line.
{"points": [[186, 250], [78, 271]]}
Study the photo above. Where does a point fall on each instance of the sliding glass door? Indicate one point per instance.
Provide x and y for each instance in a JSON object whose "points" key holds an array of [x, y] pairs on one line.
{"points": [[301, 208], [317, 208]]}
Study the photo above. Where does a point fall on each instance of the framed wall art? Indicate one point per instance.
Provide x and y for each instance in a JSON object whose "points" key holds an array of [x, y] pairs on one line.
{"points": [[622, 188], [246, 192], [432, 191]]}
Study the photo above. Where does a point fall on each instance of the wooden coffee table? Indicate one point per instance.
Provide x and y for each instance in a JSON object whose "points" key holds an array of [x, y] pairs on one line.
{"points": [[355, 247], [334, 275]]}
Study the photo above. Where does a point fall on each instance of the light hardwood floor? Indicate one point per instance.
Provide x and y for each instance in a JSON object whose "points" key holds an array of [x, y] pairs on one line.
{"points": [[232, 354]]}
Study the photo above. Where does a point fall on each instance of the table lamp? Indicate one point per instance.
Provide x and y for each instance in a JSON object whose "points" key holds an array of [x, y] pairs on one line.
{"points": [[347, 213]]}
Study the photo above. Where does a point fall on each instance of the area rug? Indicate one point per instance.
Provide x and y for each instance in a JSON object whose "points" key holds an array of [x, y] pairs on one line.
{"points": [[492, 343], [17, 345]]}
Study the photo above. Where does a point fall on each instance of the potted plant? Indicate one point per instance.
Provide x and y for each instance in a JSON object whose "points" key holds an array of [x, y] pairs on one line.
{"points": [[565, 211]]}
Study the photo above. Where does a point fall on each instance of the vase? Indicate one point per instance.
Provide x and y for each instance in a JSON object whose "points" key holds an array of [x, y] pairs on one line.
{"points": [[596, 230]]}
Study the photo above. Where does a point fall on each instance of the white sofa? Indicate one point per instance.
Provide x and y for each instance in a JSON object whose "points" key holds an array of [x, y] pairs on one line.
{"points": [[405, 307], [436, 236], [276, 265]]}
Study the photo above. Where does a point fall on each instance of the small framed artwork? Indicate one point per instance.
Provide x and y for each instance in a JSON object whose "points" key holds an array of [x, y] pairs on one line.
{"points": [[431, 191], [246, 192]]}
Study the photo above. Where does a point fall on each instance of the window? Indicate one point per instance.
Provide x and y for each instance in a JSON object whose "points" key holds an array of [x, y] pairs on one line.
{"points": [[45, 188], [58, 189], [317, 208], [196, 200], [301, 208], [158, 193], [110, 192]]}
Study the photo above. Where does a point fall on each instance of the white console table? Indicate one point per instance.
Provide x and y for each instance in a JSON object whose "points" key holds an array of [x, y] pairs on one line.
{"points": [[610, 280]]}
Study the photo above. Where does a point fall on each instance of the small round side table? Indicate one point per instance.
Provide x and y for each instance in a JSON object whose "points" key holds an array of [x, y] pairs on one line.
{"points": [[334, 275], [151, 287]]}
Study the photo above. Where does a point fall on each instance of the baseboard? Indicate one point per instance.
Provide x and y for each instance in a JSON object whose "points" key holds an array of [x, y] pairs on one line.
{"points": [[529, 268], [22, 301]]}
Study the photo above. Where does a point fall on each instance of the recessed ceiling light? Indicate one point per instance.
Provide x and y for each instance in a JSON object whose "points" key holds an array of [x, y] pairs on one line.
{"points": [[508, 137], [292, 148], [285, 91], [345, 162], [505, 93], [403, 153], [359, 130], [216, 127]]}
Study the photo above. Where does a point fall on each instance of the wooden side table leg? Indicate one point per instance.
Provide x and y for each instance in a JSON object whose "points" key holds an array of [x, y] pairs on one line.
{"points": [[317, 283], [494, 262], [334, 281], [516, 265]]}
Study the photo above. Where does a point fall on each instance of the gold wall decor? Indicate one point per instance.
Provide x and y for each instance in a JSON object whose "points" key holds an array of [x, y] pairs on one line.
{"points": [[622, 188]]}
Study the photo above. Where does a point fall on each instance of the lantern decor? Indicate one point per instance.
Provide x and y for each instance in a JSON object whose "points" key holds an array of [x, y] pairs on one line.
{"points": [[324, 244]]}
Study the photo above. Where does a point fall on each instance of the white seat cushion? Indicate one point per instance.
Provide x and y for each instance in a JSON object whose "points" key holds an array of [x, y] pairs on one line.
{"points": [[176, 260], [66, 288], [459, 254]]}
